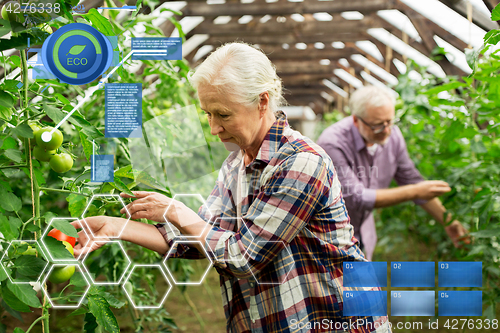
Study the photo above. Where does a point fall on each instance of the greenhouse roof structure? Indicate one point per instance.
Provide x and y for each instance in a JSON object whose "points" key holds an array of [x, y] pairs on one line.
{"points": [[324, 49]]}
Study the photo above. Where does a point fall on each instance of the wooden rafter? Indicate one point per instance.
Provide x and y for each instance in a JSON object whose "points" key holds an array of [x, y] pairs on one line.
{"points": [[480, 19], [290, 26], [284, 7]]}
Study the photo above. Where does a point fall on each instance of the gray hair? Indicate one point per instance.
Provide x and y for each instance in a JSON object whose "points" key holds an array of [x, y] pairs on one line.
{"points": [[242, 71], [374, 96]]}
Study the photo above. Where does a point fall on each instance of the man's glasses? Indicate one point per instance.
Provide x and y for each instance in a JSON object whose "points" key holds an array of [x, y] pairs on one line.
{"points": [[379, 128]]}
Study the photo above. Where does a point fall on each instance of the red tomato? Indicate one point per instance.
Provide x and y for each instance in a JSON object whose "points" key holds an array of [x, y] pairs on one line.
{"points": [[62, 237]]}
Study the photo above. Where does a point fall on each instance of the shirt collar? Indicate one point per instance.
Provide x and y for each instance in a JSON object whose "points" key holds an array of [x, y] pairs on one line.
{"points": [[359, 143], [272, 141]]}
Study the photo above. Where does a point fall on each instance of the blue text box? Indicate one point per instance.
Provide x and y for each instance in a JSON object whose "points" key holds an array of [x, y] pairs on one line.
{"points": [[102, 168], [412, 274], [460, 274], [460, 303], [413, 303], [365, 274], [157, 48], [123, 110], [365, 303]]}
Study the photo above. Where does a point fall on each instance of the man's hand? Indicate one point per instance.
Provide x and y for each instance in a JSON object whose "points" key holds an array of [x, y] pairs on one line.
{"points": [[430, 189], [458, 234], [149, 205]]}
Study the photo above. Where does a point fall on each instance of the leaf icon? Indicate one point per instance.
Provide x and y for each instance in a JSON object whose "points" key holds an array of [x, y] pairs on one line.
{"points": [[76, 49]]}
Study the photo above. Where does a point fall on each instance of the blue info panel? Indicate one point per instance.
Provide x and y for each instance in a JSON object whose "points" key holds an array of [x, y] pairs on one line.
{"points": [[460, 274], [102, 168], [413, 303], [460, 303], [412, 274], [365, 274], [157, 48], [123, 110], [365, 303]]}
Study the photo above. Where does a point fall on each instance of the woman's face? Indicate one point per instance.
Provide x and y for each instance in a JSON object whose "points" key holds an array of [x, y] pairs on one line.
{"points": [[233, 123]]}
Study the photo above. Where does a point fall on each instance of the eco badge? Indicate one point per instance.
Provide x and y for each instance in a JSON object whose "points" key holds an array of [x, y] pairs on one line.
{"points": [[77, 54]]}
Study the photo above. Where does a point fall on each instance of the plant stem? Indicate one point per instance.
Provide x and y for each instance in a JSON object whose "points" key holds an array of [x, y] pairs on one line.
{"points": [[24, 64], [13, 166], [48, 189], [35, 189], [36, 321], [195, 311]]}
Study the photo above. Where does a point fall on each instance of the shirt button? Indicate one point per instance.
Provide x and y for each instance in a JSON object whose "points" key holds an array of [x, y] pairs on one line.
{"points": [[252, 284]]}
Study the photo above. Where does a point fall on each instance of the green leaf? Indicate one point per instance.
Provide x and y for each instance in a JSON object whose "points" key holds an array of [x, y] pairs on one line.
{"points": [[54, 113], [112, 300], [25, 293], [87, 145], [14, 155], [30, 265], [65, 228], [445, 87], [99, 307], [10, 202], [9, 143], [99, 22], [81, 310], [23, 130], [487, 233], [146, 179], [78, 280], [492, 37], [120, 186], [90, 323], [57, 249], [12, 301], [3, 275], [10, 230], [76, 49], [19, 330], [6, 99], [126, 172], [495, 14], [77, 204]]}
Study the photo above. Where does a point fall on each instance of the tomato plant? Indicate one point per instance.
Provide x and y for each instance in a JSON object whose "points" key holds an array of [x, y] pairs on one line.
{"points": [[33, 191]]}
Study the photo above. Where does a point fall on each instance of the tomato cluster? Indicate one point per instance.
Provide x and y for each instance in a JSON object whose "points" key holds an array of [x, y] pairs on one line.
{"points": [[47, 151]]}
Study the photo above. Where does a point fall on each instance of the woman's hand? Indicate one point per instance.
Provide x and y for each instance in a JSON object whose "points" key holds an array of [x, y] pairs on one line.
{"points": [[152, 206], [103, 228]]}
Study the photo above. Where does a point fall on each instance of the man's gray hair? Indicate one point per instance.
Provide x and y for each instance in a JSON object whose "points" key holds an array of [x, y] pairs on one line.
{"points": [[241, 71], [374, 96]]}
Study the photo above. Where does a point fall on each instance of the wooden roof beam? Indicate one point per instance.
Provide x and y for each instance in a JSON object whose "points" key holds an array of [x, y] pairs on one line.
{"points": [[480, 19], [255, 27], [284, 8]]}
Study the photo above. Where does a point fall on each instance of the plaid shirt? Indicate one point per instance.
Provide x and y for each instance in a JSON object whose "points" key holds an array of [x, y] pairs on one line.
{"points": [[280, 265]]}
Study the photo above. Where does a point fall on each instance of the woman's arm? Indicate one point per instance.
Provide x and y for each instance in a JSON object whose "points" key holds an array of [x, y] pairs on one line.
{"points": [[105, 228]]}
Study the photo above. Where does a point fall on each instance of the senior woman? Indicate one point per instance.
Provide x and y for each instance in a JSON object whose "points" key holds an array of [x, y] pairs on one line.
{"points": [[275, 225]]}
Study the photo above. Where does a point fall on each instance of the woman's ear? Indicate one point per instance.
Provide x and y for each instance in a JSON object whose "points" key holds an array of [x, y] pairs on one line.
{"points": [[263, 103]]}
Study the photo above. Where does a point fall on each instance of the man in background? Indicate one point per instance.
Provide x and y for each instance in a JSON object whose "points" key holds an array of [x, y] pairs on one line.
{"points": [[368, 151]]}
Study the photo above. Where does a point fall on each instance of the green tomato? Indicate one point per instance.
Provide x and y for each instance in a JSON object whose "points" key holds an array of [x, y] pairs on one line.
{"points": [[54, 143], [61, 162], [35, 128], [43, 155], [63, 273], [11, 16]]}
